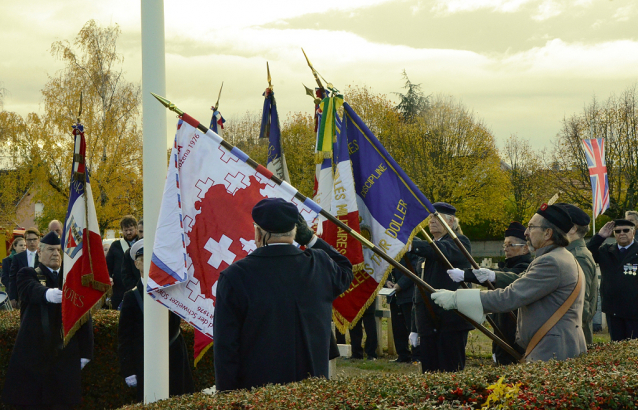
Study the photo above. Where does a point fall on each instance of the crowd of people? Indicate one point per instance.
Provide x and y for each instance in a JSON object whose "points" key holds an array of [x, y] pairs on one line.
{"points": [[274, 307]]}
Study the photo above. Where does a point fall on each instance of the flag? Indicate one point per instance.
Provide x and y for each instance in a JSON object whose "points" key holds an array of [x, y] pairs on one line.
{"points": [[595, 155], [216, 121], [85, 275], [270, 129], [391, 207], [343, 206], [205, 221]]}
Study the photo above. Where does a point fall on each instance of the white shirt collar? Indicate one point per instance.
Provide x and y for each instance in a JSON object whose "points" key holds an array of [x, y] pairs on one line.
{"points": [[625, 247]]}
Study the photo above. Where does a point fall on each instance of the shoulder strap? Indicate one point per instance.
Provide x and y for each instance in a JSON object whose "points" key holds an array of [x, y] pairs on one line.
{"points": [[551, 322], [124, 244], [138, 297]]}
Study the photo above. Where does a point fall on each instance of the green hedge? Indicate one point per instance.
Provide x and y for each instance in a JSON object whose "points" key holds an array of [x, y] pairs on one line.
{"points": [[605, 378], [102, 385]]}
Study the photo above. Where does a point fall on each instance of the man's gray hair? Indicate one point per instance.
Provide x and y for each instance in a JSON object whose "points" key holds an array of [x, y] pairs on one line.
{"points": [[290, 233], [581, 230], [558, 236], [454, 221]]}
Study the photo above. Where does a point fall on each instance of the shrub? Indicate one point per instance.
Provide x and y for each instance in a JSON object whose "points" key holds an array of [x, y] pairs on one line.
{"points": [[102, 384], [605, 378]]}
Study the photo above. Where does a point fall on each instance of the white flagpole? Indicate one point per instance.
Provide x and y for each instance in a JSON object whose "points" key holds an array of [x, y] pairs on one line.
{"points": [[155, 168]]}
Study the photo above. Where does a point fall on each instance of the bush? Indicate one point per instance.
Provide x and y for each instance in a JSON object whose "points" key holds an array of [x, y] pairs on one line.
{"points": [[102, 384], [605, 378]]}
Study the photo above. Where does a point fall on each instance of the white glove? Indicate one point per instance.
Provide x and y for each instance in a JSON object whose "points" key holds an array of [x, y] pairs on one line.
{"points": [[414, 339], [53, 295], [131, 381], [84, 362], [457, 275], [445, 298], [484, 274]]}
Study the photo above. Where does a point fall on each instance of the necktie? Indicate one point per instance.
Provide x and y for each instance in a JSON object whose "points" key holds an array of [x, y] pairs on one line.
{"points": [[623, 251], [30, 255]]}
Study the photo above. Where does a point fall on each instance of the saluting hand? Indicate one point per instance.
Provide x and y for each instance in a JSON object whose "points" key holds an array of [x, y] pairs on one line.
{"points": [[607, 229]]}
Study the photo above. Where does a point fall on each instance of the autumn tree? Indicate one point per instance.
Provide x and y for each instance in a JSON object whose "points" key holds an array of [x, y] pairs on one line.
{"points": [[110, 113], [413, 103], [528, 179], [615, 120]]}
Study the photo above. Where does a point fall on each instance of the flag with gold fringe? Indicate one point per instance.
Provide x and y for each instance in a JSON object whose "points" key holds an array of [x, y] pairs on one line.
{"points": [[391, 207], [86, 279]]}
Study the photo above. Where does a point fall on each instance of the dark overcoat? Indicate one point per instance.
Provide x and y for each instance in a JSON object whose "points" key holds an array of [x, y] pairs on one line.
{"points": [[40, 371], [434, 272], [20, 260], [273, 315], [114, 261], [6, 267], [131, 346], [618, 286]]}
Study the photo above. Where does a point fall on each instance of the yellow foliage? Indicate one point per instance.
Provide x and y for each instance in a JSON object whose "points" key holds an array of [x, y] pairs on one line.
{"points": [[502, 395], [110, 114]]}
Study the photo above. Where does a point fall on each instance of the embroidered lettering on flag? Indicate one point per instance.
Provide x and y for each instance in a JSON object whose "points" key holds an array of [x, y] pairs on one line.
{"points": [[391, 207], [85, 275], [205, 221]]}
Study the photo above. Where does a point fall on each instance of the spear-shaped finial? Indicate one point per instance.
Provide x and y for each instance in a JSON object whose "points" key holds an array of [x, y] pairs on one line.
{"points": [[80, 111], [216, 106], [269, 79], [314, 72], [168, 104]]}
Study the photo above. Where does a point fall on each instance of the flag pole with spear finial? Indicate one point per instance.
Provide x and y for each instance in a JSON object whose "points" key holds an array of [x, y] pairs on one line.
{"points": [[374, 248]]}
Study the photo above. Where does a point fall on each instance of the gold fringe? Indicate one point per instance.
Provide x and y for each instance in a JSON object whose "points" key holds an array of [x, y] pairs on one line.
{"points": [[89, 281], [342, 323], [84, 318], [202, 353], [321, 155], [359, 266]]}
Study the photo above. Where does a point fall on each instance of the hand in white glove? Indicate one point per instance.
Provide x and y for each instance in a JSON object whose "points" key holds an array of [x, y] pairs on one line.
{"points": [[53, 295], [131, 381], [484, 274], [84, 362], [457, 275], [445, 298], [414, 339]]}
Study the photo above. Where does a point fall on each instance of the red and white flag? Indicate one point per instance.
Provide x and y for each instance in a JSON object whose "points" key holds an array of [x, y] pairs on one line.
{"points": [[205, 221], [85, 275]]}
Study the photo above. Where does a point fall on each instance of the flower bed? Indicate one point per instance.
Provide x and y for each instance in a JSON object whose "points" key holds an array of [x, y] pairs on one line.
{"points": [[605, 378], [102, 385]]}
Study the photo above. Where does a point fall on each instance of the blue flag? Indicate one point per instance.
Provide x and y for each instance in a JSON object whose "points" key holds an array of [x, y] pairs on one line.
{"points": [[391, 206], [270, 129]]}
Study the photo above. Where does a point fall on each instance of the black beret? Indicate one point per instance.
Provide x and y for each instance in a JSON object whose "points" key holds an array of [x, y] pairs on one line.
{"points": [[444, 208], [556, 215], [579, 217], [275, 215], [51, 238], [516, 229], [623, 222]]}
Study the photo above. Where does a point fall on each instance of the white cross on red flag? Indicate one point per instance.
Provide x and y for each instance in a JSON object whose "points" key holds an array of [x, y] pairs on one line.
{"points": [[205, 222]]}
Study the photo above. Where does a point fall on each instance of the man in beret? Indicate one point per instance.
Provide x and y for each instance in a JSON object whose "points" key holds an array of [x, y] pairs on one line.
{"points": [[578, 248], [130, 336], [443, 335], [541, 291], [517, 260], [619, 281], [42, 373], [273, 308]]}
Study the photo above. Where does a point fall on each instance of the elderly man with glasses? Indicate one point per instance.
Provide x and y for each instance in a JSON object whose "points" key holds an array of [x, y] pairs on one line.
{"points": [[549, 295], [619, 286], [517, 259]]}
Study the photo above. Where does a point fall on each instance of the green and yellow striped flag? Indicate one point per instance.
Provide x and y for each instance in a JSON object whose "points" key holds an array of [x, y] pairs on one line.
{"points": [[327, 134]]}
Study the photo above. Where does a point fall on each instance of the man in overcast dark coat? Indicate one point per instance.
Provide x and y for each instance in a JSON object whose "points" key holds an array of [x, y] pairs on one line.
{"points": [[43, 374], [274, 307]]}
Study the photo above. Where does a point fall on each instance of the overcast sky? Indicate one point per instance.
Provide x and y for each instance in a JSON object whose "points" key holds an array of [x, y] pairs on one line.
{"points": [[521, 65]]}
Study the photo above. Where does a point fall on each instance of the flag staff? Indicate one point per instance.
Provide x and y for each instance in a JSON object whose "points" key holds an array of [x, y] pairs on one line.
{"points": [[155, 167], [303, 199]]}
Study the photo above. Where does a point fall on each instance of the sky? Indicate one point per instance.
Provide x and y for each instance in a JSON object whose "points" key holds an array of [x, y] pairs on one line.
{"points": [[520, 65]]}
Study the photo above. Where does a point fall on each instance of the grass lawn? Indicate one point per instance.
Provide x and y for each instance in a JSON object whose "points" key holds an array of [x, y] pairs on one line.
{"points": [[478, 352]]}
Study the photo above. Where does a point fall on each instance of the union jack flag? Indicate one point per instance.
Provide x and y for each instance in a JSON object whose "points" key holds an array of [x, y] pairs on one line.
{"points": [[595, 155]]}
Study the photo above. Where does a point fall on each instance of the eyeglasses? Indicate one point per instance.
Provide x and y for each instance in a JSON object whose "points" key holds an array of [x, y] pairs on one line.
{"points": [[530, 227], [512, 245], [625, 230]]}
